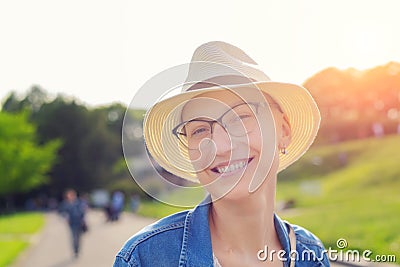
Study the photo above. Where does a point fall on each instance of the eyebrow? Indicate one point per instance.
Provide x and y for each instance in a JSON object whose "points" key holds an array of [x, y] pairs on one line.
{"points": [[273, 103]]}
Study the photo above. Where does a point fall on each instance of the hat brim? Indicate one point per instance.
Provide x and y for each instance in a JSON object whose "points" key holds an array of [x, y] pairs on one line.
{"points": [[295, 101]]}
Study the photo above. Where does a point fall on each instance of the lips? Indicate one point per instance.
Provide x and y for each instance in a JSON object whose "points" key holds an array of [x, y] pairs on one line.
{"points": [[234, 166]]}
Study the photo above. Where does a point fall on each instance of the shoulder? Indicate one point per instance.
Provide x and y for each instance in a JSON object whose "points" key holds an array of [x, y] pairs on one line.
{"points": [[309, 247], [162, 238], [305, 236]]}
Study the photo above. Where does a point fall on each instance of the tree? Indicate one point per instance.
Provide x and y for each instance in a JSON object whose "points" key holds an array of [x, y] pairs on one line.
{"points": [[24, 163], [351, 102], [91, 143], [91, 138], [34, 99]]}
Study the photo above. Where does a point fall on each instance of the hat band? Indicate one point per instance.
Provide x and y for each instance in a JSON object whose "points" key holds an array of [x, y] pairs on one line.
{"points": [[221, 81]]}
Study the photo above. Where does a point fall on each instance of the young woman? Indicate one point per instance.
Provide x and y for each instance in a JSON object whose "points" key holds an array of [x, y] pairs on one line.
{"points": [[232, 130]]}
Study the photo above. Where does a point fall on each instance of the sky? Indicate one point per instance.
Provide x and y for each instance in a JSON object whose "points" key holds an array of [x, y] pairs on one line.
{"points": [[103, 51]]}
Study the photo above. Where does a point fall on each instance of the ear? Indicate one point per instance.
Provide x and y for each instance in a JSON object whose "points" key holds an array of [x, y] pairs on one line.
{"points": [[285, 134]]}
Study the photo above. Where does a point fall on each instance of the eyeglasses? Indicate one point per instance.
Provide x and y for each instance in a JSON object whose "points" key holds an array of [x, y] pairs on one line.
{"points": [[237, 121]]}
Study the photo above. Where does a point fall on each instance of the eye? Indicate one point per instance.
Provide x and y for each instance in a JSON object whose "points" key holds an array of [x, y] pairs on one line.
{"points": [[200, 131], [240, 118], [245, 116], [197, 129]]}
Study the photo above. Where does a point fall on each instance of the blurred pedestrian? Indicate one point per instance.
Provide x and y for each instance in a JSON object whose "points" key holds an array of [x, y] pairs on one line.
{"points": [[73, 209], [134, 202], [117, 205]]}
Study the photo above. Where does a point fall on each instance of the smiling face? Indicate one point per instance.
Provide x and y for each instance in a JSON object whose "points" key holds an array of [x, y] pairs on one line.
{"points": [[234, 154]]}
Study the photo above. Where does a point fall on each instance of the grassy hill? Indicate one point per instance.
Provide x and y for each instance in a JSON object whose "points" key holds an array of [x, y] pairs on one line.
{"points": [[349, 190]]}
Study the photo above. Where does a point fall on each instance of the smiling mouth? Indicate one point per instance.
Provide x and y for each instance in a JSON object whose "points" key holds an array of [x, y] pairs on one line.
{"points": [[232, 167]]}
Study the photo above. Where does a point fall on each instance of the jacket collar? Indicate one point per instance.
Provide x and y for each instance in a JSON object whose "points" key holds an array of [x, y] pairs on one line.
{"points": [[282, 229], [196, 244]]}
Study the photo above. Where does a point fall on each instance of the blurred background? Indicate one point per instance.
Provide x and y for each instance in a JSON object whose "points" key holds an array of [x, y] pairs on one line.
{"points": [[69, 70]]}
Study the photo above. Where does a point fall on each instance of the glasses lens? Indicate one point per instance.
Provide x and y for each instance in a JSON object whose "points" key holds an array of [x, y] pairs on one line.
{"points": [[240, 120], [194, 132]]}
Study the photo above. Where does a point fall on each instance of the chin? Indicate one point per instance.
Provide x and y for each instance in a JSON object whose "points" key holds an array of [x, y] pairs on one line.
{"points": [[237, 194], [225, 191]]}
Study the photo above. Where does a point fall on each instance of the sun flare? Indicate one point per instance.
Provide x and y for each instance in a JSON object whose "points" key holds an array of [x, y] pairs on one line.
{"points": [[364, 47]]}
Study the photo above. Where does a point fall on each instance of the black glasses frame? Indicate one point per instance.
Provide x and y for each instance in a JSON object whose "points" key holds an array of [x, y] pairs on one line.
{"points": [[211, 122]]}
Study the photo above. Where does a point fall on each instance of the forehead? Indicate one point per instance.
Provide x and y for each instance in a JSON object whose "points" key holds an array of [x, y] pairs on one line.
{"points": [[223, 97], [211, 104]]}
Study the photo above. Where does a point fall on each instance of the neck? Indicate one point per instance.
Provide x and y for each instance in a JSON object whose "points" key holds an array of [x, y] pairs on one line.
{"points": [[245, 225]]}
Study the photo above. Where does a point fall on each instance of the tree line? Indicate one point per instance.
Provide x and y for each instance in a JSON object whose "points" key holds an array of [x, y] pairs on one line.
{"points": [[357, 104], [48, 145]]}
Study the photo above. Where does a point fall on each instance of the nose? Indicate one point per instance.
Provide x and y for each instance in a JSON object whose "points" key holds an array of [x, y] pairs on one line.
{"points": [[222, 140]]}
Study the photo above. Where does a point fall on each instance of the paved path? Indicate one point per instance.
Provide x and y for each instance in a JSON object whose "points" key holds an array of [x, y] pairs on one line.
{"points": [[51, 248]]}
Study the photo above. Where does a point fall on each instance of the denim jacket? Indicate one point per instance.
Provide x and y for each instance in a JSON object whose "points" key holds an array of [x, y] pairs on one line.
{"points": [[183, 239]]}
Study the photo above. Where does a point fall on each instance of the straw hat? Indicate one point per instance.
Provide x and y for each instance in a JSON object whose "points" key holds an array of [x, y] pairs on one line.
{"points": [[217, 66]]}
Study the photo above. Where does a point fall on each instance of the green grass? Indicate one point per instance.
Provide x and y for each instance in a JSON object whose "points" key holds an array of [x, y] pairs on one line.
{"points": [[10, 250], [21, 223], [358, 201], [157, 209], [15, 231]]}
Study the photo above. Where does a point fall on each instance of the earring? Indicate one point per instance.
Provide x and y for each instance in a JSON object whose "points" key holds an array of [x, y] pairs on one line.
{"points": [[283, 150]]}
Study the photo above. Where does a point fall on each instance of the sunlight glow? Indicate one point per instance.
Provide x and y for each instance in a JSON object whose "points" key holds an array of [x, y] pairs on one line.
{"points": [[365, 46], [110, 49]]}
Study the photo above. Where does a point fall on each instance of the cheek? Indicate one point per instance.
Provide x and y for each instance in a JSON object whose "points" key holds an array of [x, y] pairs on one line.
{"points": [[205, 179], [266, 135], [202, 159], [255, 139], [200, 162], [195, 158], [194, 155], [263, 141]]}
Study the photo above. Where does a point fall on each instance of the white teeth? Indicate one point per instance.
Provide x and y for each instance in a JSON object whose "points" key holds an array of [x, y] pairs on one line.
{"points": [[232, 167]]}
